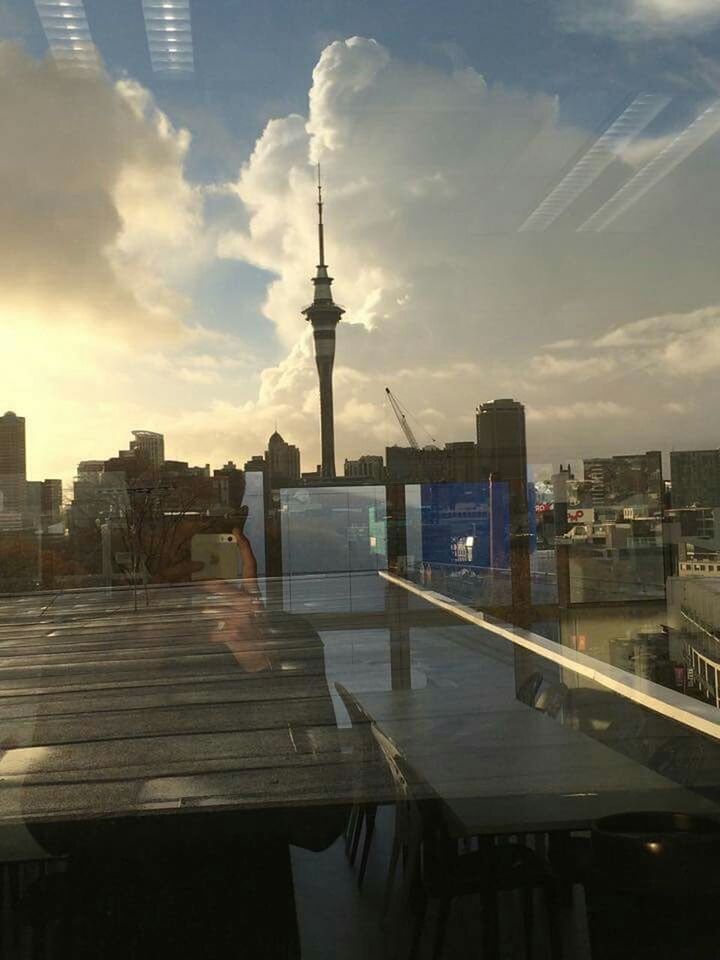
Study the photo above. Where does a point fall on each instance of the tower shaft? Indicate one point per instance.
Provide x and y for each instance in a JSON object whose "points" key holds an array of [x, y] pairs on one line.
{"points": [[327, 420]]}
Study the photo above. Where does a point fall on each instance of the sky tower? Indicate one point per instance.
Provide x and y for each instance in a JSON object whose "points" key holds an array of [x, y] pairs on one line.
{"points": [[324, 315]]}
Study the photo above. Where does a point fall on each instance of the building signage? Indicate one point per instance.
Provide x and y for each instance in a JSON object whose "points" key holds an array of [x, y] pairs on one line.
{"points": [[585, 515]]}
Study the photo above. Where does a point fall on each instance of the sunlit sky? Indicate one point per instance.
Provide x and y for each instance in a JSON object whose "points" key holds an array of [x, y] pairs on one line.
{"points": [[158, 232]]}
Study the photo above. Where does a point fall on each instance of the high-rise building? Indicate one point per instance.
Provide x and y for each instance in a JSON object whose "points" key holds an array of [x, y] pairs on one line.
{"points": [[561, 498], [695, 477], [367, 467], [235, 478], [13, 470], [51, 499], [43, 501], [324, 315], [149, 446], [502, 447], [283, 461], [627, 480], [255, 464]]}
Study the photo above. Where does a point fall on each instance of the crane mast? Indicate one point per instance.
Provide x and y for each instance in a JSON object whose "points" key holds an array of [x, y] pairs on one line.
{"points": [[402, 419]]}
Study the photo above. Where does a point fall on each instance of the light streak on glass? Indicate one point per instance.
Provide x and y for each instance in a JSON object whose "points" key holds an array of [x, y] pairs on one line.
{"points": [[680, 148], [68, 33], [641, 112], [169, 35]]}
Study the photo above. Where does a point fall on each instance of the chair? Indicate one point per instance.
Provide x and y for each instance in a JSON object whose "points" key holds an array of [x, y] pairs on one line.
{"points": [[552, 700], [21, 876], [679, 759], [528, 690], [436, 870], [657, 875], [363, 811]]}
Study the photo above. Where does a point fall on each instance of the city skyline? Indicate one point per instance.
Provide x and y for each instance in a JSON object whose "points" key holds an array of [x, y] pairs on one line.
{"points": [[151, 441], [176, 296]]}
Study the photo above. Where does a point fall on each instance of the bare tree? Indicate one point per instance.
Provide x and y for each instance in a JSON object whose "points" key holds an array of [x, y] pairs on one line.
{"points": [[159, 517]]}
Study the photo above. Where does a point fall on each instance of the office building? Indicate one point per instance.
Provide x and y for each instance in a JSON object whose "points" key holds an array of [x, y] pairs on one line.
{"points": [[235, 480], [367, 467], [560, 481], [43, 502], [454, 463], [255, 464], [51, 498], [283, 462], [90, 469], [627, 481], [13, 470], [149, 446], [501, 443], [324, 315], [411, 465], [463, 462], [695, 478]]}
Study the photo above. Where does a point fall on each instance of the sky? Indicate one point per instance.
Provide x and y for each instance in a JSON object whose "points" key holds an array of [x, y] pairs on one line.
{"points": [[157, 234]]}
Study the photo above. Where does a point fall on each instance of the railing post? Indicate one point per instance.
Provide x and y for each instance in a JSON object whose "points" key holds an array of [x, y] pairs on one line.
{"points": [[396, 529]]}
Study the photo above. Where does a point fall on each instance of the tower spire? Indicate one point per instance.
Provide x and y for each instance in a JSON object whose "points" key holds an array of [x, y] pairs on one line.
{"points": [[321, 228]]}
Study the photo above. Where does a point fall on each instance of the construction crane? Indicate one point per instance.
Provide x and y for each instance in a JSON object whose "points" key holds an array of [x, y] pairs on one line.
{"points": [[402, 418]]}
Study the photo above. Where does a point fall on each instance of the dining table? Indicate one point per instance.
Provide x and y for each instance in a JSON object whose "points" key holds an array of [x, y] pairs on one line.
{"points": [[169, 746], [500, 766], [187, 735]]}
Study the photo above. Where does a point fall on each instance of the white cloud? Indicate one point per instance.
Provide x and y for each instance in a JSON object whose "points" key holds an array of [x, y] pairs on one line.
{"points": [[675, 10], [99, 231], [578, 410], [428, 174], [572, 368], [628, 18], [95, 212], [568, 343], [673, 344]]}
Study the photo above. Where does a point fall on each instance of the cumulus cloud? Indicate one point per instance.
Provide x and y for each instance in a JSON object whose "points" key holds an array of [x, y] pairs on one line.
{"points": [[95, 212], [414, 160], [428, 174]]}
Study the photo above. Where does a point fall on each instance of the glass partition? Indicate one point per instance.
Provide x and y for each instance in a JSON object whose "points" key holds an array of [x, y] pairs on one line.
{"points": [[359, 479]]}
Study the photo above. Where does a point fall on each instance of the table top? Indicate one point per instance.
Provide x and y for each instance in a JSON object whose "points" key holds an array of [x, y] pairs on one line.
{"points": [[194, 703], [503, 767], [199, 703]]}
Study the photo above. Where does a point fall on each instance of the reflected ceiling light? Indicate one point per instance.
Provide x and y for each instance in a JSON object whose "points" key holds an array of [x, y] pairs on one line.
{"points": [[680, 148], [67, 32], [641, 112], [169, 34]]}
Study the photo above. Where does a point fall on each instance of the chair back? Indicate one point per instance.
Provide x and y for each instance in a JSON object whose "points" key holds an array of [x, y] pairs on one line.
{"points": [[528, 689], [366, 759], [553, 699], [408, 821], [355, 709]]}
